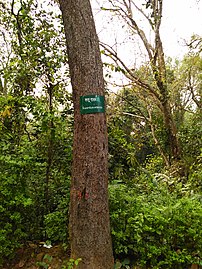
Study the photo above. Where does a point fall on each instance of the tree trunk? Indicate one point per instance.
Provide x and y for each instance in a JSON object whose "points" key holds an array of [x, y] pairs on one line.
{"points": [[50, 136], [158, 145], [172, 140], [89, 224]]}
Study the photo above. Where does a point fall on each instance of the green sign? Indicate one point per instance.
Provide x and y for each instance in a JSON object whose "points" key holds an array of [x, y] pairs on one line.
{"points": [[90, 104]]}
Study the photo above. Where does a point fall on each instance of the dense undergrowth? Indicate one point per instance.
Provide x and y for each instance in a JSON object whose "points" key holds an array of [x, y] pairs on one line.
{"points": [[156, 214], [155, 220], [155, 228]]}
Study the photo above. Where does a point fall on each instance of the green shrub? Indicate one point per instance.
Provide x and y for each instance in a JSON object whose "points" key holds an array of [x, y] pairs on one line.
{"points": [[156, 230], [195, 177], [14, 204], [56, 224]]}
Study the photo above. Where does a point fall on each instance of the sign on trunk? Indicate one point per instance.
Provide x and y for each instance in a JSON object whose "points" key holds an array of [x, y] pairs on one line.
{"points": [[90, 104]]}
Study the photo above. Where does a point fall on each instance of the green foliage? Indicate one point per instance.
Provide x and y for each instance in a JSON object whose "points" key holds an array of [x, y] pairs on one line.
{"points": [[15, 203], [71, 263], [190, 135], [157, 229], [129, 139], [125, 264], [122, 159], [196, 174], [45, 262], [56, 222]]}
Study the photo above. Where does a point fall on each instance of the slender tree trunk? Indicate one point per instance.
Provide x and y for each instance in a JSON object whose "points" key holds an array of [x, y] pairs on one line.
{"points": [[159, 71], [89, 224], [172, 139], [158, 145], [50, 134], [172, 143]]}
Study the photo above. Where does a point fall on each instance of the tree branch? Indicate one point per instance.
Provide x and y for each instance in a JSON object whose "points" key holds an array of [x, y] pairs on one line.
{"points": [[129, 74]]}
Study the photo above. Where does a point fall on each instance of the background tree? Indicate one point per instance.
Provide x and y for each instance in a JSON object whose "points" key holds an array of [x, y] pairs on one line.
{"points": [[89, 214], [153, 84]]}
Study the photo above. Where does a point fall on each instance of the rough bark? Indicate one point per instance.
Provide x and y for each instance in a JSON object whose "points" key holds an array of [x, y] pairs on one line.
{"points": [[89, 224]]}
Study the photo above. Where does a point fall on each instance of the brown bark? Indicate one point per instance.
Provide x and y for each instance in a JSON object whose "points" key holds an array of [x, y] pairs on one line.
{"points": [[89, 224]]}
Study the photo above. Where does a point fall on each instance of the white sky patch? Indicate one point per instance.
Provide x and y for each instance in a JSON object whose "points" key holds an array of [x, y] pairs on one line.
{"points": [[181, 19]]}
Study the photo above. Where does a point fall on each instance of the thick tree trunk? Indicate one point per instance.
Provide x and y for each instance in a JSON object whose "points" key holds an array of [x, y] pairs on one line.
{"points": [[89, 224]]}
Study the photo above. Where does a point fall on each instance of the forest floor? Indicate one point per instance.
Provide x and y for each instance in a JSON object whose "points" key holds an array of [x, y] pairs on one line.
{"points": [[36, 256]]}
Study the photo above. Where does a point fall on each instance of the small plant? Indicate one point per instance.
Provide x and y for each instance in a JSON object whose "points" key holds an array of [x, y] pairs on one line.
{"points": [[125, 264], [71, 263], [45, 262]]}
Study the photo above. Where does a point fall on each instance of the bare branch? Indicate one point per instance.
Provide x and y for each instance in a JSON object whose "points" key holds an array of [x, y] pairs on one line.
{"points": [[144, 14], [130, 74]]}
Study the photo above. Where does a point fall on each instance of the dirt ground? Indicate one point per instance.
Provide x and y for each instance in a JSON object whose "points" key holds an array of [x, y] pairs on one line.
{"points": [[35, 256]]}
